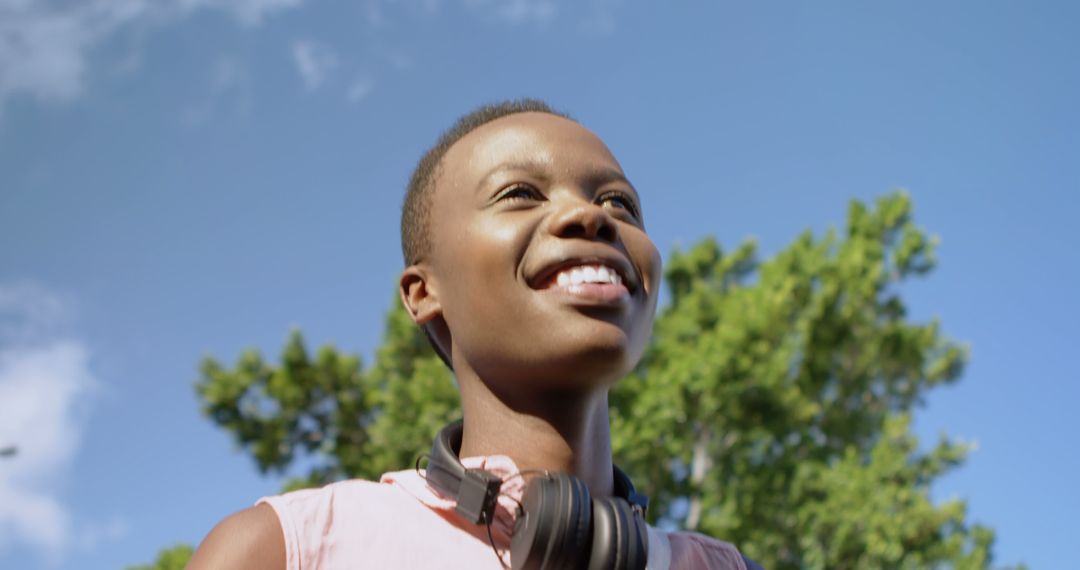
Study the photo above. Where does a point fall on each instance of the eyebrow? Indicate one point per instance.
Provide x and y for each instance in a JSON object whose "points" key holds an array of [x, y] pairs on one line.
{"points": [[595, 177], [528, 166]]}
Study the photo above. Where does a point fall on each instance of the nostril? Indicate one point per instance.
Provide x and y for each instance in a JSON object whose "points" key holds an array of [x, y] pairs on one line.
{"points": [[607, 232], [585, 222], [593, 229], [574, 231]]}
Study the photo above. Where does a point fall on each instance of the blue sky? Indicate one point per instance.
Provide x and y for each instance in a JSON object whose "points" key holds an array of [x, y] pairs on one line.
{"points": [[184, 178]]}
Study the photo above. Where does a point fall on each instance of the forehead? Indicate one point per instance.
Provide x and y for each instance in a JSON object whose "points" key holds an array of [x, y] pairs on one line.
{"points": [[538, 140]]}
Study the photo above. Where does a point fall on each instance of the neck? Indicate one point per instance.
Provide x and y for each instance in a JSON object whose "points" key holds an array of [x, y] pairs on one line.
{"points": [[553, 430]]}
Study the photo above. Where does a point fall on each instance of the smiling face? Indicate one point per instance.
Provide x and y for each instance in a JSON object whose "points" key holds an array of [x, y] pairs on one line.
{"points": [[540, 268]]}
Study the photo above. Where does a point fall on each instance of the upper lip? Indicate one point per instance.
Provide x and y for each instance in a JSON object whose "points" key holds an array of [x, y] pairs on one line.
{"points": [[557, 263]]}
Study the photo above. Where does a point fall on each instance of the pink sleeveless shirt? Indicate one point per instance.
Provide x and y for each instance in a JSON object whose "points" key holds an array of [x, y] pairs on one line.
{"points": [[401, 522]]}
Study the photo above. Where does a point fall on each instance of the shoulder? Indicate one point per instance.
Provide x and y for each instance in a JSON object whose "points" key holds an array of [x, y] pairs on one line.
{"points": [[299, 529], [251, 538], [695, 550], [354, 497]]}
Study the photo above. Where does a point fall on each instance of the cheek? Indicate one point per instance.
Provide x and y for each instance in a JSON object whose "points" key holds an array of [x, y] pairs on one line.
{"points": [[488, 254], [644, 253], [652, 275], [656, 275], [497, 235], [483, 264]]}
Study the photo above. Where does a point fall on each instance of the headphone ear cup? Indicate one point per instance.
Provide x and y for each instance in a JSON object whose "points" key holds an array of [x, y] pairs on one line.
{"points": [[552, 526], [619, 537]]}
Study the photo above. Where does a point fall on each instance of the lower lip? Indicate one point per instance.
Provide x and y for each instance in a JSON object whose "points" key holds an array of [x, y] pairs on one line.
{"points": [[592, 293]]}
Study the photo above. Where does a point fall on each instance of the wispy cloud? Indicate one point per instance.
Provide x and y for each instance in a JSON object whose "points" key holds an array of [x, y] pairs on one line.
{"points": [[227, 94], [93, 534], [228, 72], [314, 61], [601, 20], [28, 314], [44, 45], [247, 12], [360, 89], [517, 11], [45, 389]]}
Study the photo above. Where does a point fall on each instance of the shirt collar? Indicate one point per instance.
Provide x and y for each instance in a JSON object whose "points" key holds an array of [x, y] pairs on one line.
{"points": [[415, 483]]}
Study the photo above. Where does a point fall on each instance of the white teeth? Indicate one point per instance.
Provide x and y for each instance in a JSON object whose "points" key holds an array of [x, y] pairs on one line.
{"points": [[587, 274]]}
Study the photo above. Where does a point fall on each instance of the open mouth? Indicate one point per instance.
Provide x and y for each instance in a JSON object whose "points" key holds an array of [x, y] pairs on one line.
{"points": [[589, 281], [593, 273]]}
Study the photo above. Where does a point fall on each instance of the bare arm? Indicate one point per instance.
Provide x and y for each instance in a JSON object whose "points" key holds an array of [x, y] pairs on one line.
{"points": [[248, 540]]}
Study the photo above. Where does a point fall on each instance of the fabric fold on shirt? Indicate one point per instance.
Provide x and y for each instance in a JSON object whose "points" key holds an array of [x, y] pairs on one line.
{"points": [[510, 494], [403, 522]]}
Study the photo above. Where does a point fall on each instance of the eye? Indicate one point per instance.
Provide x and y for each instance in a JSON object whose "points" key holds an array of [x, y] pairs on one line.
{"points": [[518, 192], [622, 201]]}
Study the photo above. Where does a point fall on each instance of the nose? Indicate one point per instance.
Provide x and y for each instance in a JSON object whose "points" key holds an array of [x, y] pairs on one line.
{"points": [[585, 220]]}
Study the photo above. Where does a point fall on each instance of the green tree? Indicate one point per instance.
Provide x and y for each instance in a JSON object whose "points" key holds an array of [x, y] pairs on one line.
{"points": [[347, 421], [775, 401], [175, 558], [771, 409]]}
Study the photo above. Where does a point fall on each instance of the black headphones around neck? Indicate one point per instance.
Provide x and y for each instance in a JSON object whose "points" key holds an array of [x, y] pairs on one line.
{"points": [[558, 524]]}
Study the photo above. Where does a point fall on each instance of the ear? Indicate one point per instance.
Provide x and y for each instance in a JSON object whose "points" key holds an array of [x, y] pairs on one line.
{"points": [[418, 295]]}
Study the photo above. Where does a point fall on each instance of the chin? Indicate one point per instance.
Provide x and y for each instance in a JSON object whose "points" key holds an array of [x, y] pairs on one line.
{"points": [[594, 363], [598, 352], [564, 353]]}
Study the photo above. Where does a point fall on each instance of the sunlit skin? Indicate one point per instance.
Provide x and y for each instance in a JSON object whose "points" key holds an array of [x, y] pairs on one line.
{"points": [[515, 198]]}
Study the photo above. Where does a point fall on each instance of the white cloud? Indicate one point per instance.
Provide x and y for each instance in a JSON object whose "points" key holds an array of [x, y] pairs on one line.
{"points": [[314, 62], [360, 89], [602, 19], [374, 13], [247, 12], [227, 94], [44, 45], [229, 72], [516, 11], [93, 534], [43, 48], [29, 314], [45, 392]]}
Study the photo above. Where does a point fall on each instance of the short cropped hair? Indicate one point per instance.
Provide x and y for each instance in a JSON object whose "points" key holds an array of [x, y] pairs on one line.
{"points": [[416, 212]]}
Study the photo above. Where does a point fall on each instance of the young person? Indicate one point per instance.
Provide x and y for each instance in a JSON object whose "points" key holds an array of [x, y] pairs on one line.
{"points": [[529, 268]]}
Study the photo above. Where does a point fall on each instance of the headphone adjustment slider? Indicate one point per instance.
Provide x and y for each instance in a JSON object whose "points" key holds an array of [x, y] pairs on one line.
{"points": [[477, 496], [638, 503]]}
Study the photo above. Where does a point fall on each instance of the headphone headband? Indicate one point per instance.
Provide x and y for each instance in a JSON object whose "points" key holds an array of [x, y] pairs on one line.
{"points": [[477, 490]]}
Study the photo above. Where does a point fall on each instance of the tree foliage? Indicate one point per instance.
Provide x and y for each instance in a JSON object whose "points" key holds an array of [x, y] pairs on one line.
{"points": [[174, 558], [775, 401], [344, 420], [771, 409]]}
